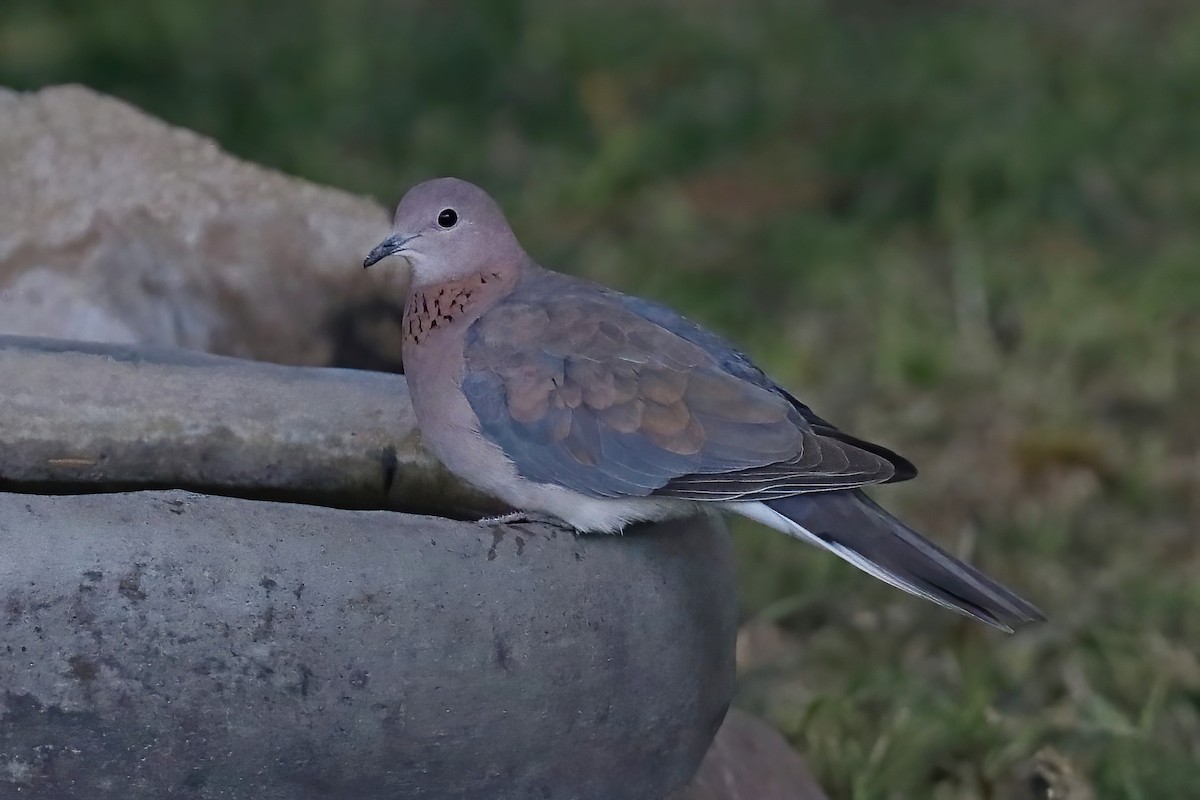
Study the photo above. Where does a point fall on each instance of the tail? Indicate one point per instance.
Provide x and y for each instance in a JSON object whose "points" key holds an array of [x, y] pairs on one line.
{"points": [[854, 527]]}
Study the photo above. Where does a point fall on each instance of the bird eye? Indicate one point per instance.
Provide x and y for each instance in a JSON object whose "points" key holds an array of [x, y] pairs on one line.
{"points": [[447, 218]]}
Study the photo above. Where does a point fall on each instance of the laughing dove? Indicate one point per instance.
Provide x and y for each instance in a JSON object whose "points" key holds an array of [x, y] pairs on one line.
{"points": [[570, 400]]}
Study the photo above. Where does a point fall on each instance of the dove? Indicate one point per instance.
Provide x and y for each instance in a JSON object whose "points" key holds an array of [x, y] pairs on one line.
{"points": [[579, 404]]}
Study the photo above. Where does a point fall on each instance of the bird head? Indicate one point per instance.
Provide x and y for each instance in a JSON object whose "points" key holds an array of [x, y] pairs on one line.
{"points": [[448, 229]]}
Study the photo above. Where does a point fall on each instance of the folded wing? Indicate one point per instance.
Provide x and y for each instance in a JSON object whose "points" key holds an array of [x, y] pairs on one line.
{"points": [[614, 397]]}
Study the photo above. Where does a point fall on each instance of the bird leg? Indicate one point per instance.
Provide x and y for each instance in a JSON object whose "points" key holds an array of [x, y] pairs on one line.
{"points": [[526, 518]]}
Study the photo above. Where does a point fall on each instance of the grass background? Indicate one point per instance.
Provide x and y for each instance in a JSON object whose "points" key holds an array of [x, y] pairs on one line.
{"points": [[970, 231]]}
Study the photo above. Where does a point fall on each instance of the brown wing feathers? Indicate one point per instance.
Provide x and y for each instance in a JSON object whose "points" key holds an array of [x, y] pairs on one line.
{"points": [[580, 391]]}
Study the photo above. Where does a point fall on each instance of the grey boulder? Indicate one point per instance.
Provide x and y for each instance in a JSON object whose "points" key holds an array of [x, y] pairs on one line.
{"points": [[750, 760], [118, 227]]}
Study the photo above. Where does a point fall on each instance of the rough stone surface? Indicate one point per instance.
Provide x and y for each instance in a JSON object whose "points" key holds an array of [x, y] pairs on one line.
{"points": [[749, 760], [171, 644], [78, 416], [117, 227]]}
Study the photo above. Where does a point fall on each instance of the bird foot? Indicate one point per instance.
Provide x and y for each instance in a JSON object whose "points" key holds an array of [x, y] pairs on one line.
{"points": [[527, 518]]}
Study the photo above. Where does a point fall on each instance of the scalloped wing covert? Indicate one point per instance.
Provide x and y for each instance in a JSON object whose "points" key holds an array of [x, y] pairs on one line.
{"points": [[587, 389]]}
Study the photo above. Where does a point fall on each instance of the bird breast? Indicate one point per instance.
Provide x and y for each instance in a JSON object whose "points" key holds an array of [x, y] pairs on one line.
{"points": [[440, 306]]}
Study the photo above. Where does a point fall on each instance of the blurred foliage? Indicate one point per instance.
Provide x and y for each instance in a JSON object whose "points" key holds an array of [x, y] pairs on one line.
{"points": [[967, 230]]}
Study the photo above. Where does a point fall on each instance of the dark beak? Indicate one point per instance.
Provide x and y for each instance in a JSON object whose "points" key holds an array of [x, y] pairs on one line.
{"points": [[388, 247]]}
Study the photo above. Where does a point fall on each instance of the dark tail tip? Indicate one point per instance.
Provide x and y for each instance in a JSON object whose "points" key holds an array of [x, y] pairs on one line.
{"points": [[853, 526]]}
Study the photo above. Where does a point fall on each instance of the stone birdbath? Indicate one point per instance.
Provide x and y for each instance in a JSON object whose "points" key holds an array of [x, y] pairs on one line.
{"points": [[161, 641], [228, 568]]}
